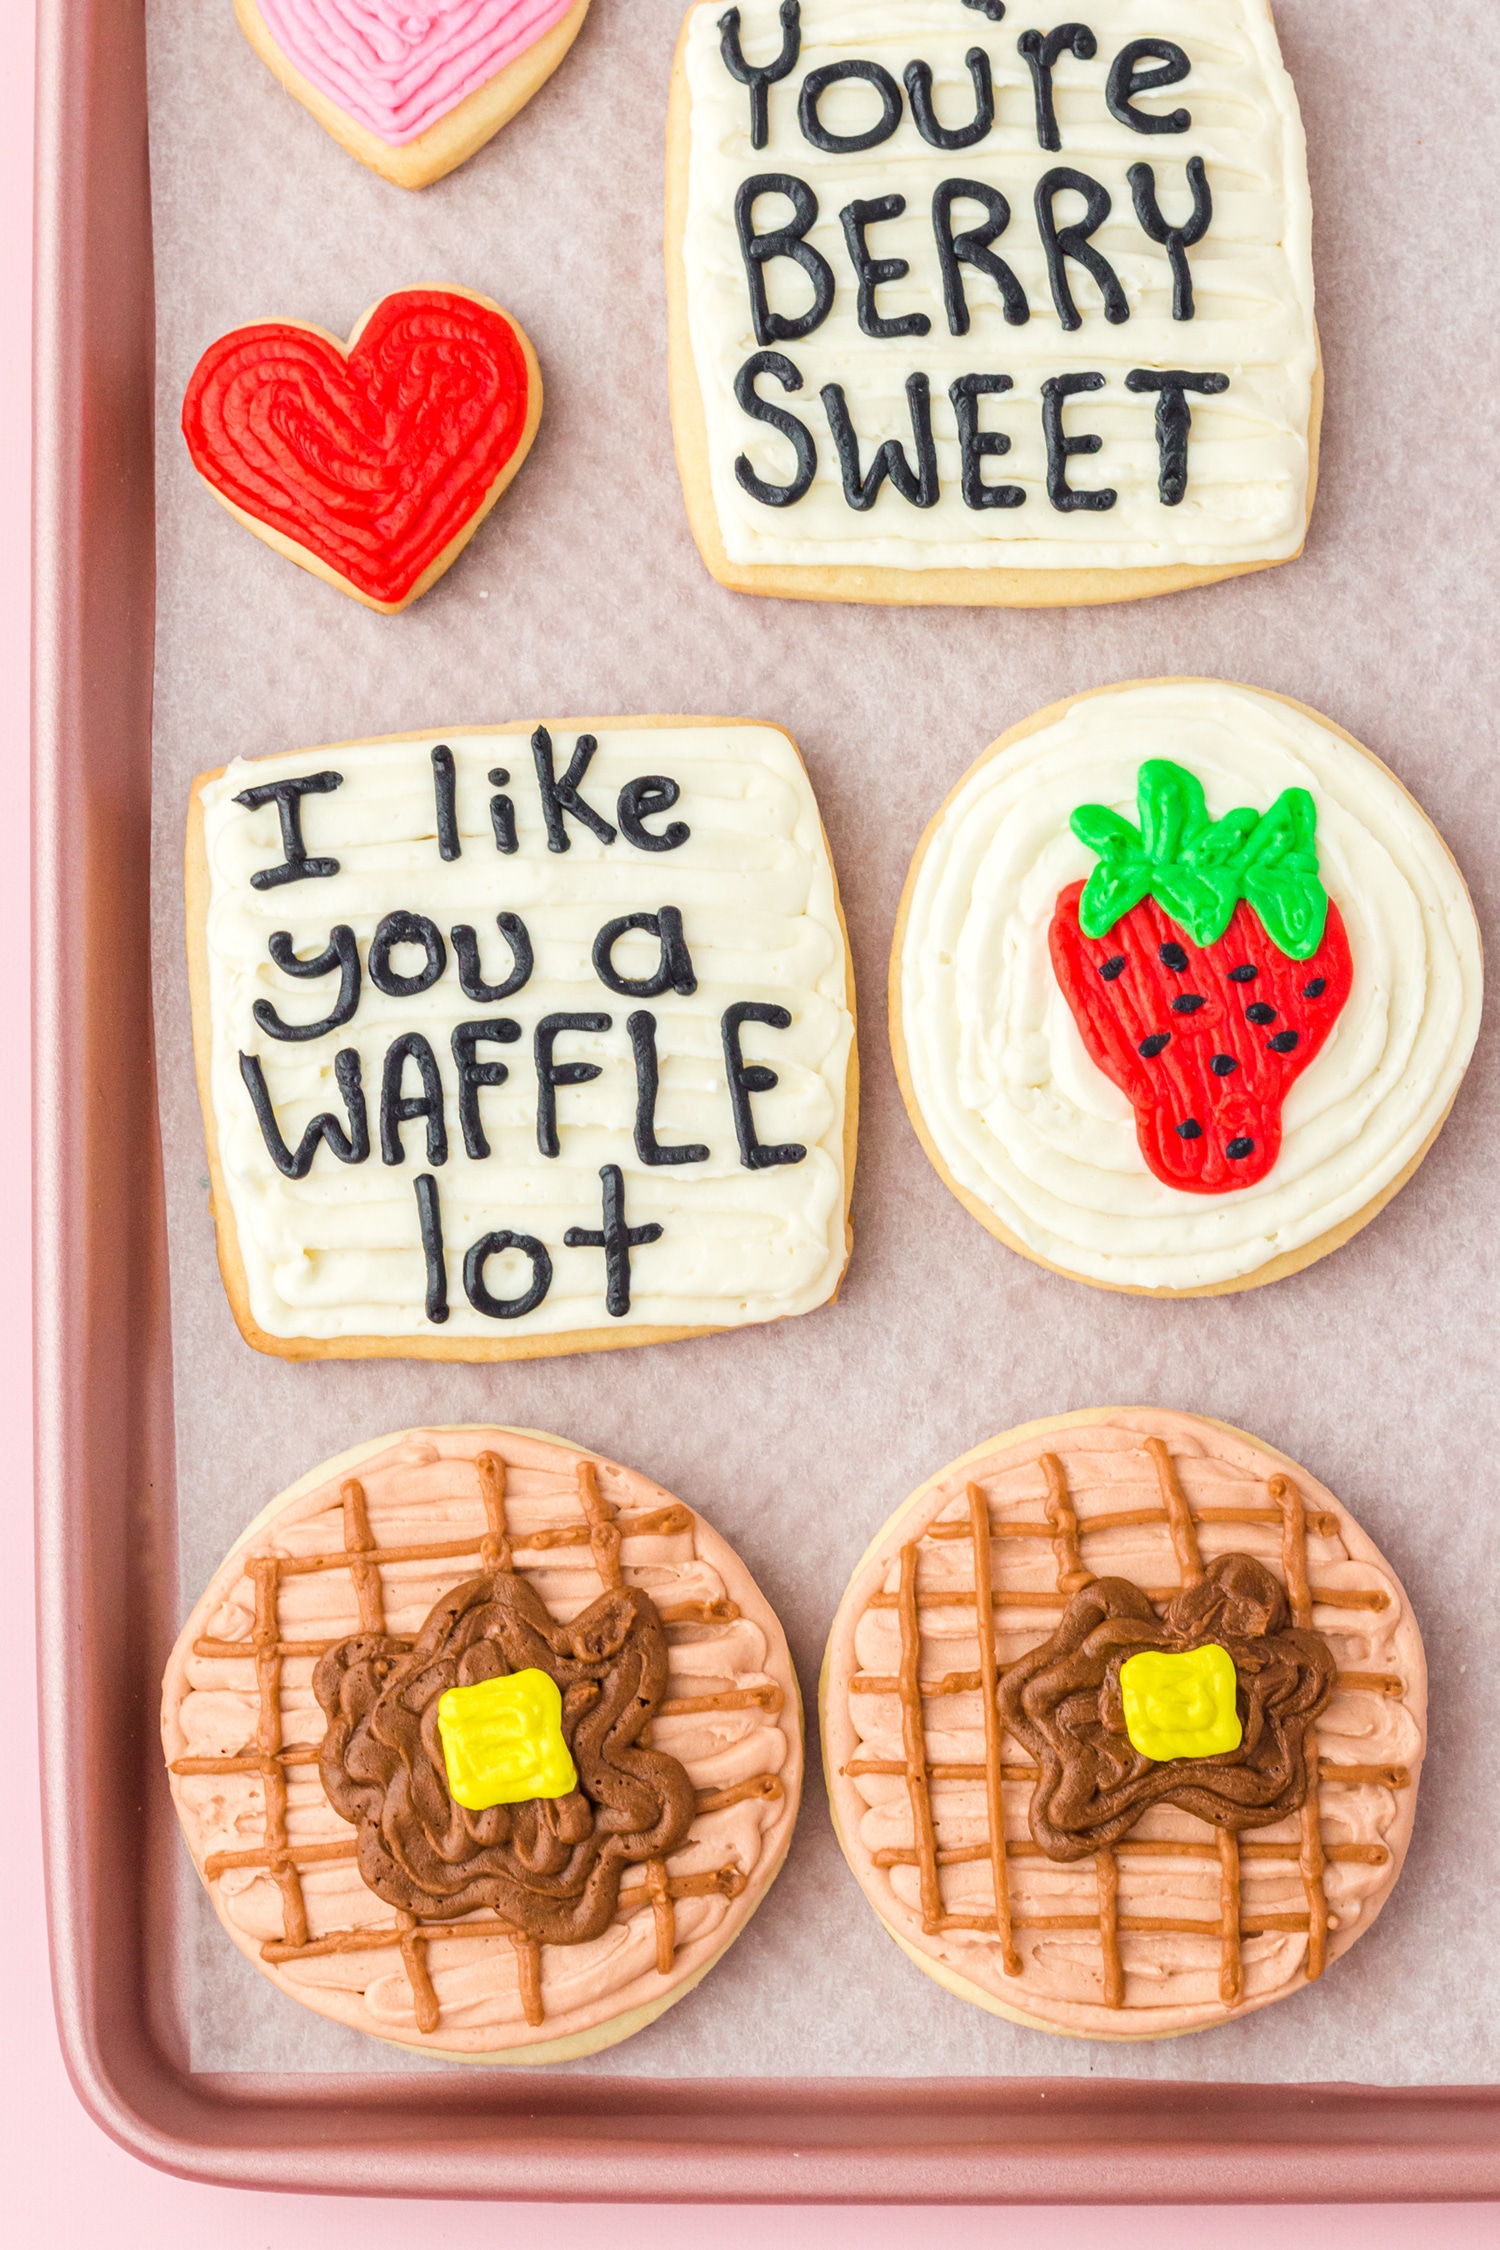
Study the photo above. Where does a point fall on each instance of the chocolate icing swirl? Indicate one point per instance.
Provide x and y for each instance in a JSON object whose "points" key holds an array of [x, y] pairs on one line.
{"points": [[552, 1866], [1063, 1702]]}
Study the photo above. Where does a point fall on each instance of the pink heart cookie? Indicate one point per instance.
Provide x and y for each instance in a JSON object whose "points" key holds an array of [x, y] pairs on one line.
{"points": [[412, 87]]}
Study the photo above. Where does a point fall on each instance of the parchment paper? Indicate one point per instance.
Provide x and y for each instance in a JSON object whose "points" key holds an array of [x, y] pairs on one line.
{"points": [[583, 594]]}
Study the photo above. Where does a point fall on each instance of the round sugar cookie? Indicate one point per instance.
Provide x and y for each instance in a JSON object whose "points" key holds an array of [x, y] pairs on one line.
{"points": [[414, 91], [405, 1642], [987, 1783], [1184, 984]]}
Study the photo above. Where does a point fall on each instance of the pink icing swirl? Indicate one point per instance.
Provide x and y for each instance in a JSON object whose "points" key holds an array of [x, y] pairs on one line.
{"points": [[397, 66]]}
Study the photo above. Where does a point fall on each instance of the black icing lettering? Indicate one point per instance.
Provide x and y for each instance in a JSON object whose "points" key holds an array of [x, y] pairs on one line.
{"points": [[816, 84], [972, 248], [616, 1239], [994, 9], [919, 486], [673, 971], [561, 796], [760, 77], [1062, 243], [758, 251], [1177, 241], [503, 814], [445, 791], [650, 793], [504, 1031], [491, 1246], [1126, 81], [350, 1148], [1061, 448], [870, 271], [522, 960], [746, 1079], [550, 1075], [430, 1221], [287, 797], [918, 80], [406, 929], [642, 1029], [1042, 51], [340, 953], [975, 444], [797, 434], [398, 1109], [1174, 420]]}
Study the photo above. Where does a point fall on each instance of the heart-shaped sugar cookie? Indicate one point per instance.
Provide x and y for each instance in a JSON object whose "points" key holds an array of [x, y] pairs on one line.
{"points": [[372, 463], [412, 87]]}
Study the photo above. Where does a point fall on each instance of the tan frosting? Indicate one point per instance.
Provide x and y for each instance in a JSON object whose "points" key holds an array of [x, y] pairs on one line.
{"points": [[1107, 1975], [731, 1716]]}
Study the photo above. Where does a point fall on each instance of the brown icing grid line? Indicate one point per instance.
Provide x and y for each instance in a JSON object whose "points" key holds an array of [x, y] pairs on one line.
{"points": [[1064, 1532], [601, 1530]]}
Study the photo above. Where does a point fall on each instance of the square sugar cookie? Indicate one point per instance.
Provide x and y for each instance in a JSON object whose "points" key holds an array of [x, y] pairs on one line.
{"points": [[521, 1040], [964, 311]]}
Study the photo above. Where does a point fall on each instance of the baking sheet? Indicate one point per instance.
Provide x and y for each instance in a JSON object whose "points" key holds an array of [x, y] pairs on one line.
{"points": [[583, 593]]}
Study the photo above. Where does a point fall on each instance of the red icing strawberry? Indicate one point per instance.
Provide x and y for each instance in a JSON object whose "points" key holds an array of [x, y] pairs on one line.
{"points": [[1205, 966], [371, 463]]}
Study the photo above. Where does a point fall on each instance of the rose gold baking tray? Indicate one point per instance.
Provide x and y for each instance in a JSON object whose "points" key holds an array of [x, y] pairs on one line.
{"points": [[106, 1523]]}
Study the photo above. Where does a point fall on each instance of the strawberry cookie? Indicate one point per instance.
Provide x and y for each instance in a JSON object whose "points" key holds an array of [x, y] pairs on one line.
{"points": [[1184, 985], [372, 463], [412, 87]]}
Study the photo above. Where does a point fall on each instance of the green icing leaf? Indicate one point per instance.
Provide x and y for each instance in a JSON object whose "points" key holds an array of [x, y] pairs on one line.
{"points": [[1171, 806], [1112, 890], [1222, 845], [1198, 870], [1202, 901], [1293, 906], [1289, 826], [1106, 833]]}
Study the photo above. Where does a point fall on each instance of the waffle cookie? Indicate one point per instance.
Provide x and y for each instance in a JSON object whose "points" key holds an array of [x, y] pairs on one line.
{"points": [[1184, 984], [1042, 1825], [412, 91], [962, 311], [401, 1647]]}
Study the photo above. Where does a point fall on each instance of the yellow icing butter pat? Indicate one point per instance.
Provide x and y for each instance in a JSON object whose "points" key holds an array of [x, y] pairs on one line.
{"points": [[503, 1741], [1180, 1704]]}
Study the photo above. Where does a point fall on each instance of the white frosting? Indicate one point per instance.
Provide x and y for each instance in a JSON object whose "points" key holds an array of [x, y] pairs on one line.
{"points": [[1018, 1113], [1252, 277], [339, 1253]]}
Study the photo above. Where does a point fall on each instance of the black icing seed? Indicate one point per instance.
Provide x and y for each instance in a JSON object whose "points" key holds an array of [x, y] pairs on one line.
{"points": [[1240, 1148], [1191, 1130], [1244, 974], [1260, 1013], [1188, 1004], [1222, 1065], [1284, 1042], [1155, 1044], [1113, 968], [1172, 957], [1316, 989]]}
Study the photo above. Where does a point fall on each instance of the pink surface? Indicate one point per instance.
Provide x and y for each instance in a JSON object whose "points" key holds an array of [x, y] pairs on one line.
{"points": [[65, 2183], [397, 66]]}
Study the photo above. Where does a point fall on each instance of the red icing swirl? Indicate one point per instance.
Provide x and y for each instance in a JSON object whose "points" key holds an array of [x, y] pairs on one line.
{"points": [[373, 459], [1194, 1046]]}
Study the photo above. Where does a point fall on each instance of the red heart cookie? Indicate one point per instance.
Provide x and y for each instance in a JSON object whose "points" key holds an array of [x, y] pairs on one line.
{"points": [[371, 463]]}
